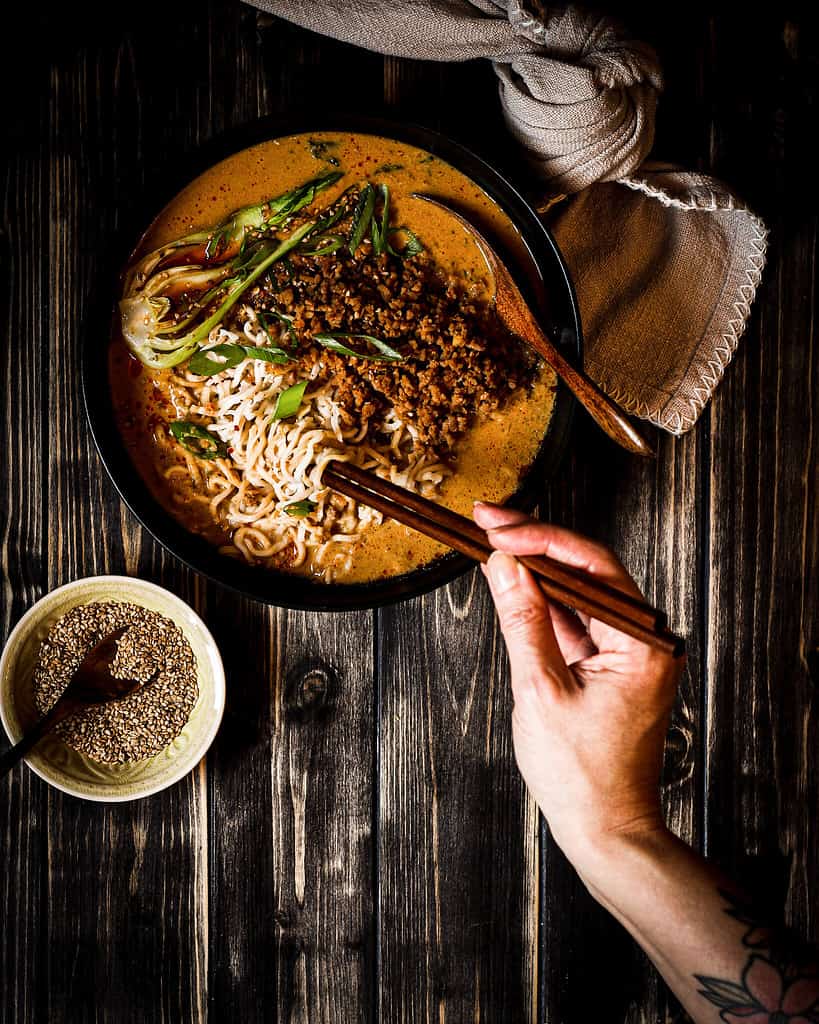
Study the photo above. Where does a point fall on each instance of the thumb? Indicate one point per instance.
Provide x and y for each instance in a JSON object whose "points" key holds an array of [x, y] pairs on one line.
{"points": [[523, 611]]}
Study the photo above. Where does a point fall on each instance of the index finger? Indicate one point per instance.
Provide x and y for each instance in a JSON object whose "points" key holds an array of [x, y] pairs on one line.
{"points": [[517, 534]]}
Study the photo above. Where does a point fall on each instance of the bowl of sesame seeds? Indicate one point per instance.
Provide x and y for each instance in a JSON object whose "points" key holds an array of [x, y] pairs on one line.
{"points": [[130, 748]]}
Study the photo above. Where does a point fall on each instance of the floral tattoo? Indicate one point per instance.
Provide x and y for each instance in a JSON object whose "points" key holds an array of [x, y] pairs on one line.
{"points": [[779, 987]]}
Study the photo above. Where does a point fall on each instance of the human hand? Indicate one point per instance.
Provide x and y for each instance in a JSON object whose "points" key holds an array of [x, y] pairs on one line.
{"points": [[592, 705]]}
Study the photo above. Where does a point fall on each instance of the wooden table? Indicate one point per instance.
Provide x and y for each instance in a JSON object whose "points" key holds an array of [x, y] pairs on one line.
{"points": [[358, 845]]}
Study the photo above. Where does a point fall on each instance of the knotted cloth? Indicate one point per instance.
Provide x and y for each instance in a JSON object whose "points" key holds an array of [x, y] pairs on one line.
{"points": [[665, 261]]}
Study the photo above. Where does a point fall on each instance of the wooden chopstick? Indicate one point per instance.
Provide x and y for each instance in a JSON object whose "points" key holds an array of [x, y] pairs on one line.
{"points": [[567, 575], [567, 584]]}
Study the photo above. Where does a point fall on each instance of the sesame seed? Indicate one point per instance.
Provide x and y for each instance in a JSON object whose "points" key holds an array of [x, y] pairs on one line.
{"points": [[143, 724]]}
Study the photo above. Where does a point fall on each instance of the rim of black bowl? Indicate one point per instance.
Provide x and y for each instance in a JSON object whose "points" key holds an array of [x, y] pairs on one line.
{"points": [[560, 316]]}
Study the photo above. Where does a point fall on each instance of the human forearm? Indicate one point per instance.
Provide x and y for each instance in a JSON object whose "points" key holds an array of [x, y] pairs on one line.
{"points": [[591, 713], [721, 961]]}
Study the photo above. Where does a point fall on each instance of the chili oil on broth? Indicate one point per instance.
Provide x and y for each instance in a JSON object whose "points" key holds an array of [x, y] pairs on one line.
{"points": [[495, 452]]}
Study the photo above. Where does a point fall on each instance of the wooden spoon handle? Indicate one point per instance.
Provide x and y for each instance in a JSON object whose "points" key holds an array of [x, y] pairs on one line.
{"points": [[61, 710], [600, 407], [597, 404]]}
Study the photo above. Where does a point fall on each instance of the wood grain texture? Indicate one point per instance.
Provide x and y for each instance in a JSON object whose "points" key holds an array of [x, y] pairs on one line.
{"points": [[761, 812], [762, 778], [22, 536], [458, 834], [358, 844], [322, 770]]}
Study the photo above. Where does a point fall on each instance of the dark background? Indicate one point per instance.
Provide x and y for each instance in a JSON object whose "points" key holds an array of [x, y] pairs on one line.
{"points": [[358, 845]]}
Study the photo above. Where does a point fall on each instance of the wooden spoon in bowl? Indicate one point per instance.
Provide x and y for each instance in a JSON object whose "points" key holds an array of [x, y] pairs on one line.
{"points": [[91, 684], [516, 315]]}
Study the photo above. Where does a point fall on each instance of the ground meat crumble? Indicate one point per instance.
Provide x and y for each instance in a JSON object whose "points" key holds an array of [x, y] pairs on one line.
{"points": [[458, 361]]}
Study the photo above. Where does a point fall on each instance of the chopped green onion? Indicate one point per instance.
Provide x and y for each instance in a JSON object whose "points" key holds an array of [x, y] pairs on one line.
{"points": [[321, 245], [333, 213], [228, 356], [381, 231], [288, 402], [412, 248], [267, 355], [203, 365], [197, 440], [387, 354], [284, 318], [414, 245], [361, 217], [234, 294], [291, 202], [301, 508]]}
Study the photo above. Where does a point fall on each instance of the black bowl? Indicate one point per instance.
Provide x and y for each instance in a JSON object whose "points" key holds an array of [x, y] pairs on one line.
{"points": [[553, 296]]}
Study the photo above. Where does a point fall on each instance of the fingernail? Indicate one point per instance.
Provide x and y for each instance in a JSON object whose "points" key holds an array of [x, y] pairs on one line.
{"points": [[503, 571], [484, 504]]}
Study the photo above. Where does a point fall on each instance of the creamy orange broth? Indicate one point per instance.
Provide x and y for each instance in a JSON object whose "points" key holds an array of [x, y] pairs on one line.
{"points": [[494, 454]]}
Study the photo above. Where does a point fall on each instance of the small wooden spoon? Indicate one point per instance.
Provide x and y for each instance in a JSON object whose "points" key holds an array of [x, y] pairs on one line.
{"points": [[91, 684], [516, 315]]}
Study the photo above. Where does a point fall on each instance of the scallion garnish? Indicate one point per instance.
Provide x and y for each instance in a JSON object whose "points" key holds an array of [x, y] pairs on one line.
{"points": [[291, 202], [321, 245], [380, 230], [413, 245], [267, 355], [208, 361], [197, 440], [362, 215], [387, 354], [284, 319], [333, 214], [301, 508], [227, 356], [288, 402]]}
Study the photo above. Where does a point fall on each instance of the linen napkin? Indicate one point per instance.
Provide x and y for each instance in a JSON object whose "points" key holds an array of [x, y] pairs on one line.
{"points": [[665, 261]]}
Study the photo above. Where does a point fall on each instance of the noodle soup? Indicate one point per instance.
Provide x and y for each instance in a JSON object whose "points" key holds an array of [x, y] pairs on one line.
{"points": [[335, 316]]}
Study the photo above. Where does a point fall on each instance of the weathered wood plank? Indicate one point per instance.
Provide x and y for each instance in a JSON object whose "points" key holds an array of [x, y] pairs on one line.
{"points": [[458, 835], [322, 866], [762, 725], [240, 978], [762, 782], [23, 547]]}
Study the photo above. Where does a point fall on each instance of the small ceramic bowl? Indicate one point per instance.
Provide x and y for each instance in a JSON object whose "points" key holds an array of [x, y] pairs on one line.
{"points": [[62, 766]]}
